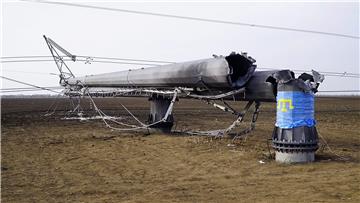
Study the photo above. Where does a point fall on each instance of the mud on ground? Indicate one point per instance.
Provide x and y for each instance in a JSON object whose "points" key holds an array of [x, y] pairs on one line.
{"points": [[46, 159]]}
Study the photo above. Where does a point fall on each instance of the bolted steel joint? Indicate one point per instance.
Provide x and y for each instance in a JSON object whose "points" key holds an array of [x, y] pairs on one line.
{"points": [[295, 145]]}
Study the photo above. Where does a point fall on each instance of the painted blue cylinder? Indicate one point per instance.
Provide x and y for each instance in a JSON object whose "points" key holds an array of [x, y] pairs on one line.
{"points": [[295, 138], [294, 109]]}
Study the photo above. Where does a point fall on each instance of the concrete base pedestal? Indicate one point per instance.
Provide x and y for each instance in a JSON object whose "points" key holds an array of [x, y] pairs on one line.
{"points": [[294, 157], [295, 145]]}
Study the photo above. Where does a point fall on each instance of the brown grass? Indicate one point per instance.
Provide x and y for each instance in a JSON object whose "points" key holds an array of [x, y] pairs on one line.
{"points": [[51, 160]]}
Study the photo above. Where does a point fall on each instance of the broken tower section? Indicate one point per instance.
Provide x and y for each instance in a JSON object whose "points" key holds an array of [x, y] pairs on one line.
{"points": [[295, 138]]}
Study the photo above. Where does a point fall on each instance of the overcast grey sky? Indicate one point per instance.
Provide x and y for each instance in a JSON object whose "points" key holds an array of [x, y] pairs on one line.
{"points": [[84, 31]]}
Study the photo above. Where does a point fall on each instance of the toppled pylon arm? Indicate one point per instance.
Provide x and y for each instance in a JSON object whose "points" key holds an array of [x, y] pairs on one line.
{"points": [[55, 50], [232, 71]]}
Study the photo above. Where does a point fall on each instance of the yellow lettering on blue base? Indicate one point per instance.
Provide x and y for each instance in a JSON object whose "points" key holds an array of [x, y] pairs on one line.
{"points": [[282, 104]]}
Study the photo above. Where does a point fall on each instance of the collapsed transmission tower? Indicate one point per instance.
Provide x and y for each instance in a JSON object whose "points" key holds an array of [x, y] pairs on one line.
{"points": [[221, 78]]}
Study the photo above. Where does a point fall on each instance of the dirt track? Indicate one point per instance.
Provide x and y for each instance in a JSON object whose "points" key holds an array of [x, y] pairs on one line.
{"points": [[52, 160]]}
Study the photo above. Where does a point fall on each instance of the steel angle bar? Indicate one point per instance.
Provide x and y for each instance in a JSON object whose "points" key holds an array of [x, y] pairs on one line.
{"points": [[215, 97], [118, 92], [143, 126], [223, 108], [220, 132], [240, 117], [237, 135]]}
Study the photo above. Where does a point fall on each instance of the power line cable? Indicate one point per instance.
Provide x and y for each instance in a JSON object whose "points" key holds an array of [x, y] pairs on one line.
{"points": [[15, 57], [28, 60], [93, 57], [89, 59], [156, 62], [326, 73], [36, 88], [29, 88], [24, 83], [12, 91], [8, 90], [198, 19], [82, 60], [339, 91], [126, 59], [117, 62], [333, 74], [26, 89], [29, 72]]}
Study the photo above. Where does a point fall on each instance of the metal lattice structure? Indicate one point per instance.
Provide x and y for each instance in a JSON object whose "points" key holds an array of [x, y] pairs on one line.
{"points": [[213, 80]]}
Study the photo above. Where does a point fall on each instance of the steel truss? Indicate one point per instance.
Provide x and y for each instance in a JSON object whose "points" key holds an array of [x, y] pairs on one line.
{"points": [[174, 94]]}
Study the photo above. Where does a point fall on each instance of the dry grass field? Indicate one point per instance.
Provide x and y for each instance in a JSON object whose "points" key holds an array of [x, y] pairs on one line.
{"points": [[46, 159]]}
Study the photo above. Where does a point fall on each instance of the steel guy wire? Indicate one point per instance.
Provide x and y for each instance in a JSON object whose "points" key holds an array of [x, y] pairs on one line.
{"points": [[208, 20]]}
